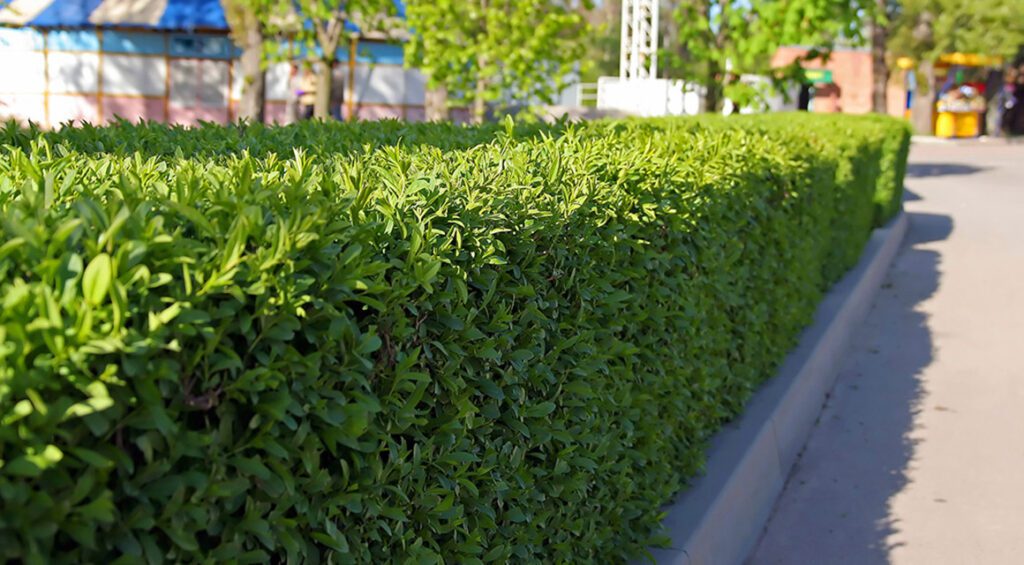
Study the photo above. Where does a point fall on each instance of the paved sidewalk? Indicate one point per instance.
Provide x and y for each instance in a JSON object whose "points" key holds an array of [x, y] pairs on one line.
{"points": [[918, 457]]}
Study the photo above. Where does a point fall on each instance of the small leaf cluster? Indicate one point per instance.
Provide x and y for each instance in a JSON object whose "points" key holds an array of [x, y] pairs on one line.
{"points": [[403, 343]]}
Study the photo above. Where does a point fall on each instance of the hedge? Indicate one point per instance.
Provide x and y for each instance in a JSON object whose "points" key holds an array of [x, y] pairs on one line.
{"points": [[401, 343]]}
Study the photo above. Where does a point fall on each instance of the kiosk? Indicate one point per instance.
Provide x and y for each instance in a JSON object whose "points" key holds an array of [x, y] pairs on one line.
{"points": [[961, 80]]}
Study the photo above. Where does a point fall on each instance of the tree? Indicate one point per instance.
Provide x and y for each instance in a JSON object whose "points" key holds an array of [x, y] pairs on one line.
{"points": [[880, 20], [483, 51], [719, 40], [990, 27], [320, 25], [603, 39], [246, 19], [925, 29]]}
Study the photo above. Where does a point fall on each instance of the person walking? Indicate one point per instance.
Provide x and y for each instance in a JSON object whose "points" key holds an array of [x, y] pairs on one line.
{"points": [[1017, 124], [1012, 93], [307, 94], [993, 102], [291, 104], [337, 93]]}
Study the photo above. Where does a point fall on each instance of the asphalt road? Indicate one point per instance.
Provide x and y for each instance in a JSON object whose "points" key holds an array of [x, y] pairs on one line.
{"points": [[918, 456]]}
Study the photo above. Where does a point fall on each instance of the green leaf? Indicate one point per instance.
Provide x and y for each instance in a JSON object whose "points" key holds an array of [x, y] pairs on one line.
{"points": [[100, 509], [91, 457], [34, 462], [96, 281], [22, 467], [539, 410], [516, 515], [181, 538], [496, 553], [459, 457], [252, 466], [490, 388], [521, 355], [357, 420]]}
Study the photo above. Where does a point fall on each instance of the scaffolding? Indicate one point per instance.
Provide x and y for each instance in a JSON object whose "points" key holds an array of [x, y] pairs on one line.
{"points": [[638, 56]]}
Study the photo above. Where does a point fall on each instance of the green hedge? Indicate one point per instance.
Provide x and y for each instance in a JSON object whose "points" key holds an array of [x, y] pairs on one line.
{"points": [[401, 343]]}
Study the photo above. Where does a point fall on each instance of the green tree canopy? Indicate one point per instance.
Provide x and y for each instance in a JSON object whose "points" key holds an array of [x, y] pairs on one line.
{"points": [[718, 40], [925, 29], [496, 50]]}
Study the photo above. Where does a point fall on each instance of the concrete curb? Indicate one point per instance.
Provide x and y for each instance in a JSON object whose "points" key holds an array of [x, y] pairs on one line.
{"points": [[720, 517]]}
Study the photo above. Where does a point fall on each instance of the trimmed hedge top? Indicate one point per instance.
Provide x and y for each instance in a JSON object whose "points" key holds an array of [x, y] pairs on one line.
{"points": [[401, 343]]}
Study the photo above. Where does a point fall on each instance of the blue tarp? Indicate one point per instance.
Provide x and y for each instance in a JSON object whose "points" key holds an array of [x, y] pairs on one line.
{"points": [[68, 13], [178, 15], [193, 14]]}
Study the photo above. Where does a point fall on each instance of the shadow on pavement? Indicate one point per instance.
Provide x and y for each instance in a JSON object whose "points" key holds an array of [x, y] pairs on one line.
{"points": [[920, 170], [903, 352], [836, 505]]}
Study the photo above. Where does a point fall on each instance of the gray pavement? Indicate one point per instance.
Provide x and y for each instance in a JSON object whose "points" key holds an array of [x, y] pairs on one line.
{"points": [[918, 456]]}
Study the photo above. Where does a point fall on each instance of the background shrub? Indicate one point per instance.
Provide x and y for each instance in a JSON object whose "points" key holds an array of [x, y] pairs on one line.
{"points": [[388, 342]]}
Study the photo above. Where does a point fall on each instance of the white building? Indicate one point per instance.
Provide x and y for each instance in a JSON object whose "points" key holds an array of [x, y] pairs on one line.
{"points": [[163, 60]]}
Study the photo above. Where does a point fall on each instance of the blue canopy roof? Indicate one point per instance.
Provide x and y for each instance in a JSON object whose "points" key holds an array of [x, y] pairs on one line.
{"points": [[151, 14]]}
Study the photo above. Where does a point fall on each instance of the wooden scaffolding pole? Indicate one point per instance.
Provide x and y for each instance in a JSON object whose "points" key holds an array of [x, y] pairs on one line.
{"points": [[99, 79], [350, 84], [167, 78], [46, 79]]}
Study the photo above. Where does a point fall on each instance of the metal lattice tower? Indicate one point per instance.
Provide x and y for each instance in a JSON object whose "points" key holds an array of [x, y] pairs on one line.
{"points": [[638, 55]]}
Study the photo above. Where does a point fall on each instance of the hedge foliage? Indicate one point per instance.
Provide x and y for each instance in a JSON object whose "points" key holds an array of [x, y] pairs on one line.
{"points": [[380, 343]]}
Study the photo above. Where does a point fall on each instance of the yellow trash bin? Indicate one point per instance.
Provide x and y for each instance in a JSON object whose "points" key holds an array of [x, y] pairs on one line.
{"points": [[945, 124], [968, 124], [957, 124]]}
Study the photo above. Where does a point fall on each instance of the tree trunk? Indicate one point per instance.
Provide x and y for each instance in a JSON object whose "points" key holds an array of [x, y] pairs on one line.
{"points": [[879, 70], [254, 92], [324, 82], [437, 104], [670, 32], [716, 85], [713, 89], [479, 104], [923, 106], [328, 35]]}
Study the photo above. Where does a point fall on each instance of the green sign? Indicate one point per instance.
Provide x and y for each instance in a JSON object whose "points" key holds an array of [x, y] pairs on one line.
{"points": [[818, 76]]}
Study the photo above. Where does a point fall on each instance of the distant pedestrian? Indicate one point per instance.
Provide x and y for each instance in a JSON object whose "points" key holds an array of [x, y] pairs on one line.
{"points": [[803, 102], [337, 93], [291, 105], [307, 94], [1012, 103], [994, 102], [1003, 102]]}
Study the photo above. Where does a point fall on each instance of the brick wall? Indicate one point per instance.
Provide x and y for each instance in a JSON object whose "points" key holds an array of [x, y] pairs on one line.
{"points": [[851, 74]]}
